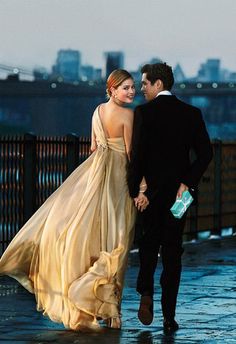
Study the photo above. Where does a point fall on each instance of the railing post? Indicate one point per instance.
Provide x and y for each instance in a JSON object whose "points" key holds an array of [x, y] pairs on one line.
{"points": [[29, 176], [72, 152], [217, 187]]}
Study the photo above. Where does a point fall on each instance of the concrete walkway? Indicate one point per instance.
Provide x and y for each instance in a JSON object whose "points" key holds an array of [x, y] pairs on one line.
{"points": [[206, 306]]}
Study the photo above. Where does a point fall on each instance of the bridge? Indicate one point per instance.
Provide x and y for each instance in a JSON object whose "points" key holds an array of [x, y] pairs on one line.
{"points": [[53, 107], [14, 87], [13, 70]]}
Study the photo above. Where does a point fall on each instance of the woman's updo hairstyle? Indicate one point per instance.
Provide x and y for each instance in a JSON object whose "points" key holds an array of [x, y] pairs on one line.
{"points": [[115, 79]]}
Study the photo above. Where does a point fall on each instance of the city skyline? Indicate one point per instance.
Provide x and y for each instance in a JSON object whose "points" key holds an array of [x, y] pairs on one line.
{"points": [[70, 62], [186, 32], [69, 68]]}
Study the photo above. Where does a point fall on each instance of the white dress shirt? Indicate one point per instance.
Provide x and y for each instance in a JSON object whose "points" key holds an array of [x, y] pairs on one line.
{"points": [[164, 93]]}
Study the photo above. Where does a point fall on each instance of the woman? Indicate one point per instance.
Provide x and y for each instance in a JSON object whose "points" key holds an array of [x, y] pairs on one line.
{"points": [[72, 252]]}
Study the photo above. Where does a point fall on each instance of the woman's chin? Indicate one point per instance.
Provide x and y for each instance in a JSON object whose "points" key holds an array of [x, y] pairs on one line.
{"points": [[129, 101]]}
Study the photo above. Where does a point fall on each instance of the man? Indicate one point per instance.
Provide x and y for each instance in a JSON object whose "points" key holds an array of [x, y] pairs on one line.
{"points": [[165, 130]]}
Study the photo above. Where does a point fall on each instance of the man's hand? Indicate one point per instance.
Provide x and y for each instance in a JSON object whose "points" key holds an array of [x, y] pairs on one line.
{"points": [[181, 189], [141, 202]]}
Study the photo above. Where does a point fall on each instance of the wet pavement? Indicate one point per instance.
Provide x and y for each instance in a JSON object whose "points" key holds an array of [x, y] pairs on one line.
{"points": [[206, 309]]}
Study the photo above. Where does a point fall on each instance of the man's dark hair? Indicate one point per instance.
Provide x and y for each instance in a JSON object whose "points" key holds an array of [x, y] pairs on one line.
{"points": [[159, 71]]}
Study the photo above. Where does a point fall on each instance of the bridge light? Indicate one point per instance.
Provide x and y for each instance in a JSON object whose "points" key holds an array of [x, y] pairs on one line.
{"points": [[53, 85], [199, 85], [182, 86], [16, 70], [231, 85], [214, 85]]}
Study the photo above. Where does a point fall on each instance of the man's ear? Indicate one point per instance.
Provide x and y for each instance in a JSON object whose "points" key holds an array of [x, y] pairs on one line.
{"points": [[159, 84]]}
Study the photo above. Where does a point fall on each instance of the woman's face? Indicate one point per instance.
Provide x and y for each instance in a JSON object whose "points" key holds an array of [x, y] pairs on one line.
{"points": [[125, 92]]}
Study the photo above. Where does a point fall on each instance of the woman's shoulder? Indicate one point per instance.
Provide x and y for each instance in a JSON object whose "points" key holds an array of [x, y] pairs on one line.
{"points": [[99, 107], [98, 110], [128, 114]]}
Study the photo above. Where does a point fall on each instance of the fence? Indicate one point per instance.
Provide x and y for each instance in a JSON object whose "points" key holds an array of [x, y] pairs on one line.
{"points": [[31, 168], [216, 204]]}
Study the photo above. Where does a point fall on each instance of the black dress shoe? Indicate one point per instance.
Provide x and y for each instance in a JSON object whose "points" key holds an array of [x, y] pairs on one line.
{"points": [[145, 312], [170, 325]]}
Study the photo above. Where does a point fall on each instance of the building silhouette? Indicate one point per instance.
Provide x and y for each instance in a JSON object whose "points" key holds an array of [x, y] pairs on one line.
{"points": [[89, 73], [68, 65], [209, 71], [179, 74], [40, 73], [114, 60]]}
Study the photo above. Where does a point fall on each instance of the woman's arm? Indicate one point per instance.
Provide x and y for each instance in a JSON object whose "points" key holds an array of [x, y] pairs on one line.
{"points": [[93, 146], [128, 127], [143, 186], [141, 201]]}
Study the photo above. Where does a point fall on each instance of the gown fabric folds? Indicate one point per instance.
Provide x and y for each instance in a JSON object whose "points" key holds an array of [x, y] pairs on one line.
{"points": [[72, 253]]}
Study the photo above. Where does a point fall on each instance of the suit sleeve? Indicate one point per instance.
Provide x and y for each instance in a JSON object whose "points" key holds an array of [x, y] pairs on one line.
{"points": [[202, 147], [135, 168]]}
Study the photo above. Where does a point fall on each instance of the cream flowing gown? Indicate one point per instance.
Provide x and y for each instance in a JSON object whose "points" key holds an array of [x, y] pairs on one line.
{"points": [[72, 253]]}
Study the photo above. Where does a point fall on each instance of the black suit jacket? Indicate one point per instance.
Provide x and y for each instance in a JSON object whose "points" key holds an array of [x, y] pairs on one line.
{"points": [[165, 131]]}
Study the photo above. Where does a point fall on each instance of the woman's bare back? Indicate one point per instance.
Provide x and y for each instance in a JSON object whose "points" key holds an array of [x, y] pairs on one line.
{"points": [[113, 119], [117, 121]]}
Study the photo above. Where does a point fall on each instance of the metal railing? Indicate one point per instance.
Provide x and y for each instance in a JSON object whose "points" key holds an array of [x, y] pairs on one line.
{"points": [[216, 204], [32, 167]]}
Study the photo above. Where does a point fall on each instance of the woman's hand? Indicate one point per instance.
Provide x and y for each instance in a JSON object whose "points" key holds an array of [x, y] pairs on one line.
{"points": [[141, 202]]}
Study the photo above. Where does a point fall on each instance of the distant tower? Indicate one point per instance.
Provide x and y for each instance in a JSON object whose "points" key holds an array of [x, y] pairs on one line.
{"points": [[114, 60], [68, 65], [40, 73], [209, 71], [87, 73], [98, 74], [155, 60], [213, 69], [179, 74]]}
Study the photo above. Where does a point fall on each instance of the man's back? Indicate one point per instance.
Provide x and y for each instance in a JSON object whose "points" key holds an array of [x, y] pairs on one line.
{"points": [[170, 129]]}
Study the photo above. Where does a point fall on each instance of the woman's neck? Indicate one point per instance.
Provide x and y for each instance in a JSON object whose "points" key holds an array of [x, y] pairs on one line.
{"points": [[117, 102]]}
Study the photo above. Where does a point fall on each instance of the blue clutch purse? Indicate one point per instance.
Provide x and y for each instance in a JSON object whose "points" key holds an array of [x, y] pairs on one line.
{"points": [[181, 204]]}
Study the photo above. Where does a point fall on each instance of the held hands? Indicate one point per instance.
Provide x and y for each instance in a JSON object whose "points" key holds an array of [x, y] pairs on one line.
{"points": [[141, 202]]}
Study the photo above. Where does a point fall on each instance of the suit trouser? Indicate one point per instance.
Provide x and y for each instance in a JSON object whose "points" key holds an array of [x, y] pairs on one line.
{"points": [[161, 230]]}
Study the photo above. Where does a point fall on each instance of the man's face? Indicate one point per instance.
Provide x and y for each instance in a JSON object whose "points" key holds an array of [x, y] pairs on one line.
{"points": [[150, 91]]}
